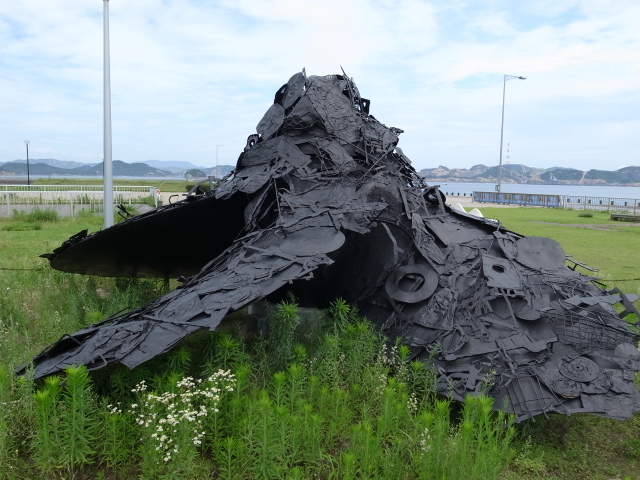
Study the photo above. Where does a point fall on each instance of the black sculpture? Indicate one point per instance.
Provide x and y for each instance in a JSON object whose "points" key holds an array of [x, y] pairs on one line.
{"points": [[324, 204]]}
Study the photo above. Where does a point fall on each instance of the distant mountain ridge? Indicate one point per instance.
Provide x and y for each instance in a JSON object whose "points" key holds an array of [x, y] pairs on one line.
{"points": [[50, 167], [514, 173], [180, 167], [54, 163], [120, 169], [511, 173]]}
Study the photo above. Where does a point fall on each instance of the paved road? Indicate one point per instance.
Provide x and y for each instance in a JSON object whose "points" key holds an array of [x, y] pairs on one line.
{"points": [[468, 203]]}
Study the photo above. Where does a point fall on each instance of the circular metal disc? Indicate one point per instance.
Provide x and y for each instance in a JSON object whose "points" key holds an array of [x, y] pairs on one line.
{"points": [[528, 313], [412, 283], [566, 388], [312, 241], [540, 253], [580, 369]]}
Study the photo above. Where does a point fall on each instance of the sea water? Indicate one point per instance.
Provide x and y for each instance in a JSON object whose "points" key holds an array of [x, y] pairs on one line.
{"points": [[604, 191]]}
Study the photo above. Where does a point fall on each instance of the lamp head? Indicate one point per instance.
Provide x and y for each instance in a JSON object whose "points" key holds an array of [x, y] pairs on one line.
{"points": [[514, 77]]}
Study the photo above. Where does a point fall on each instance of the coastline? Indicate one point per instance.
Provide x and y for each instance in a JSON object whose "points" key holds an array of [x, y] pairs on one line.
{"points": [[493, 181]]}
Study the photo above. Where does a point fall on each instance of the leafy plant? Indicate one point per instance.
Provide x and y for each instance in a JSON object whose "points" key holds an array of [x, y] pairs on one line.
{"points": [[78, 428], [66, 421], [118, 435], [282, 326], [36, 215], [46, 440]]}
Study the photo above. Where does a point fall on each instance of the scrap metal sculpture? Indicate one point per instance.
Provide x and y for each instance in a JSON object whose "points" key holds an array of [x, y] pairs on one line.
{"points": [[324, 204]]}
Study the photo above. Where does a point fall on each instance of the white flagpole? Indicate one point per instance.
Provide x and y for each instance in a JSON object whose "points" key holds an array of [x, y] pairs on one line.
{"points": [[108, 164]]}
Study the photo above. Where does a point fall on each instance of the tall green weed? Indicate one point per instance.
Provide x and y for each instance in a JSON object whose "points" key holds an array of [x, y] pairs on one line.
{"points": [[66, 424]]}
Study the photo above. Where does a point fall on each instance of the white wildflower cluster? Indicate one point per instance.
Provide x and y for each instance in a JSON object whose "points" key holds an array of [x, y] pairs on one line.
{"points": [[389, 357], [380, 383], [425, 442], [412, 403], [141, 387], [172, 413], [114, 409]]}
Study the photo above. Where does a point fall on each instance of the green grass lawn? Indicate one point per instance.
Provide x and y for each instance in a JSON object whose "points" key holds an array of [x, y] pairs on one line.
{"points": [[21, 248]]}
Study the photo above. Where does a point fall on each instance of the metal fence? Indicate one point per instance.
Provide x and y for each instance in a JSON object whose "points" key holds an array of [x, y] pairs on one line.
{"points": [[628, 205], [69, 200]]}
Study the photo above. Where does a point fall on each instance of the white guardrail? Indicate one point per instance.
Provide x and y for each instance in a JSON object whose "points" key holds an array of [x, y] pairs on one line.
{"points": [[69, 200], [629, 205]]}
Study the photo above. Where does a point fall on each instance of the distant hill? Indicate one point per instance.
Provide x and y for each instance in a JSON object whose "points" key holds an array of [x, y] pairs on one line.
{"points": [[516, 173], [120, 169], [443, 171], [623, 175], [18, 168], [194, 173], [52, 167], [223, 170], [175, 166], [53, 162], [562, 174], [522, 174], [631, 173], [181, 167]]}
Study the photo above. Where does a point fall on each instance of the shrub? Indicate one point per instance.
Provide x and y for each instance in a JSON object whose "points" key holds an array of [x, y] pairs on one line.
{"points": [[36, 215], [148, 200], [205, 187], [21, 226]]}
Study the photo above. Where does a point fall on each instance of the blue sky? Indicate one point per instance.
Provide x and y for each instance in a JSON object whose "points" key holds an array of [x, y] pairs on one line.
{"points": [[187, 75]]}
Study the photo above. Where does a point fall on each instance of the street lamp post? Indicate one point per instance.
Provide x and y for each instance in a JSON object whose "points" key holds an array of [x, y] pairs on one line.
{"points": [[504, 88], [217, 168], [107, 165], [26, 142]]}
